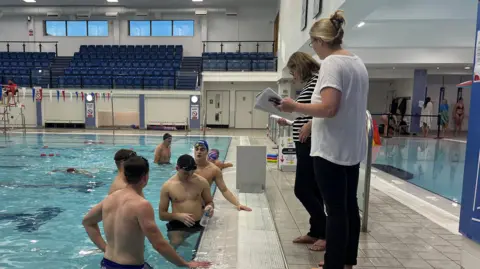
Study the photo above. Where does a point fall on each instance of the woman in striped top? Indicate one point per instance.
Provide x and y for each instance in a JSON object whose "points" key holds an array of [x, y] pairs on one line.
{"points": [[304, 69]]}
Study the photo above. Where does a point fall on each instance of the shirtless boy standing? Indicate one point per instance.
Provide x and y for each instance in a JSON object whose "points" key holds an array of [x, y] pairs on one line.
{"points": [[212, 173], [163, 151], [187, 192], [127, 219]]}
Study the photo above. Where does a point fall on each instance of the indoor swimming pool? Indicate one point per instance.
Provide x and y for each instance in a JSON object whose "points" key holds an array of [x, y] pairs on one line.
{"points": [[434, 165], [41, 214]]}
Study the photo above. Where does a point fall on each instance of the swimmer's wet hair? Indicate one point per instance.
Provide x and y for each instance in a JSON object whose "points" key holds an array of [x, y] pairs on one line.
{"points": [[135, 168], [122, 155]]}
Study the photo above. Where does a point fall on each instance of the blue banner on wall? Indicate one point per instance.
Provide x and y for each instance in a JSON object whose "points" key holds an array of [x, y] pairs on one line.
{"points": [[470, 212]]}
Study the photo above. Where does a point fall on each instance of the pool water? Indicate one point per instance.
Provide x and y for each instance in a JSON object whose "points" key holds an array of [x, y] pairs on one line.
{"points": [[41, 213], [436, 165]]}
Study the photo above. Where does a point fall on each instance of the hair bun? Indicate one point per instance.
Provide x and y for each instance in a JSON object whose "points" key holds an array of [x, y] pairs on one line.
{"points": [[338, 19]]}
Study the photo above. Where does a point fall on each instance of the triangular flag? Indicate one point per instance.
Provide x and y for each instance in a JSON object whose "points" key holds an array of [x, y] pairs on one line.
{"points": [[63, 95], [51, 94], [82, 96], [33, 94], [71, 96], [76, 93], [24, 91], [58, 96]]}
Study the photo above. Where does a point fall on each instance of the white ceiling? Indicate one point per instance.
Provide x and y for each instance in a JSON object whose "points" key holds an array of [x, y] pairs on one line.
{"points": [[413, 23], [145, 3]]}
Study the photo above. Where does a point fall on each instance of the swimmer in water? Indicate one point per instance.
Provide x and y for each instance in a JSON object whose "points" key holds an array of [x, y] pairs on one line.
{"points": [[187, 192], [213, 156], [120, 157], [71, 170], [163, 151], [127, 219], [212, 173]]}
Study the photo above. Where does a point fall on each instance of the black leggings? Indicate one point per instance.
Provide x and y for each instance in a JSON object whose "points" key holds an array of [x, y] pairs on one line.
{"points": [[338, 185], [307, 191]]}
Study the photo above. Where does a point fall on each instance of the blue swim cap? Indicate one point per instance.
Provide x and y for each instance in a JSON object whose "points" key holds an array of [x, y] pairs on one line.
{"points": [[212, 155], [202, 143]]}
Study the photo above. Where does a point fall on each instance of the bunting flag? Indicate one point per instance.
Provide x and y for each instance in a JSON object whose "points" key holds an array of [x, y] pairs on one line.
{"points": [[93, 95], [33, 94], [63, 95], [51, 94], [24, 91], [58, 95], [41, 94], [76, 93], [103, 95], [97, 95], [82, 96], [108, 96], [71, 96]]}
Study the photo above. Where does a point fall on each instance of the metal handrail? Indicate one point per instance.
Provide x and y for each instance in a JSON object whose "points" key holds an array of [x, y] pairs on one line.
{"points": [[113, 114], [22, 115], [368, 172], [187, 126], [204, 124]]}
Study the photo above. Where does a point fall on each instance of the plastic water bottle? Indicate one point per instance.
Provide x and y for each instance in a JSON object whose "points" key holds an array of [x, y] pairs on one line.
{"points": [[205, 218]]}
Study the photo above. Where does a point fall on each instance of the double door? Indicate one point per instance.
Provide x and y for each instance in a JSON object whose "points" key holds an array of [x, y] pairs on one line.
{"points": [[246, 117]]}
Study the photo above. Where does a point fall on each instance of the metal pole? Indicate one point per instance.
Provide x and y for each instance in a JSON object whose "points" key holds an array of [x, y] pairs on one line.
{"points": [[438, 126], [204, 124], [113, 115], [23, 121], [368, 171], [186, 126]]}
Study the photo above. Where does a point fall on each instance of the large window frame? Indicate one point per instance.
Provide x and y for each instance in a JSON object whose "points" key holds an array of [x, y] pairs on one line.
{"points": [[65, 22], [172, 30]]}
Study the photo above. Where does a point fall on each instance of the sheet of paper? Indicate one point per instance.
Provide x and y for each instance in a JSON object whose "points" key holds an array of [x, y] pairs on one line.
{"points": [[289, 122], [263, 103]]}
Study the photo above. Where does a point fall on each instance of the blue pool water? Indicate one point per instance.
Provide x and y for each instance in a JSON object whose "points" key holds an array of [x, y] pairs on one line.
{"points": [[41, 213], [436, 165]]}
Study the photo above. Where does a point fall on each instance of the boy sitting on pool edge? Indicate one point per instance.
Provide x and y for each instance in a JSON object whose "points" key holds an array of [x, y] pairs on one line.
{"points": [[213, 156]]}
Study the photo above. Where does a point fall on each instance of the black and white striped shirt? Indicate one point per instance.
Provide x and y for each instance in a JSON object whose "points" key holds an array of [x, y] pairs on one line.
{"points": [[304, 98]]}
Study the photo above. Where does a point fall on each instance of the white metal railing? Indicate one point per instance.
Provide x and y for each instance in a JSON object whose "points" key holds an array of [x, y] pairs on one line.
{"points": [[368, 172], [275, 131], [204, 123]]}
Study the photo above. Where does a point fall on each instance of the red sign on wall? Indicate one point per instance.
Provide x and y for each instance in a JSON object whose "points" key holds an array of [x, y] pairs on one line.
{"points": [[30, 32]]}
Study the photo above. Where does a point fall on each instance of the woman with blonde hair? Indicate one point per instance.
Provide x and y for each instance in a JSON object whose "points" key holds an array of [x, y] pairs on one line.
{"points": [[339, 142], [304, 69]]}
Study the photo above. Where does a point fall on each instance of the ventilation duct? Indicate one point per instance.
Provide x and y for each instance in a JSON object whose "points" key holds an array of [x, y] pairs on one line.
{"points": [[83, 15], [231, 12], [201, 12], [53, 14]]}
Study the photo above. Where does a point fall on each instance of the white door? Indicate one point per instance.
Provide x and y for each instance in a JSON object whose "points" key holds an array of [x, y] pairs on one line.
{"points": [[243, 109], [218, 107], [260, 118]]}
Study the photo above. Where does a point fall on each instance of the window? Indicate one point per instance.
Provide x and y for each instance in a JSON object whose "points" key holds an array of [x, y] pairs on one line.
{"points": [[97, 28], [161, 28], [139, 28], [183, 28], [55, 28], [76, 28]]}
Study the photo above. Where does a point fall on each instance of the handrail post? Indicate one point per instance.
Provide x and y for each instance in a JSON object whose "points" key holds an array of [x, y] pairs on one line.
{"points": [[186, 126], [239, 47], [23, 46], [56, 49], [204, 46], [368, 171], [204, 124], [113, 114], [221, 47], [258, 47], [40, 46], [8, 47]]}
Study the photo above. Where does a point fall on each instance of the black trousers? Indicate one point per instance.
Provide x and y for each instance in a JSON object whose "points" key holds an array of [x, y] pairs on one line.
{"points": [[307, 191], [338, 185]]}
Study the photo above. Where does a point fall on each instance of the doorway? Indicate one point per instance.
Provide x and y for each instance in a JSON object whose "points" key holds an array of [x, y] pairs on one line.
{"points": [[218, 109], [246, 117]]}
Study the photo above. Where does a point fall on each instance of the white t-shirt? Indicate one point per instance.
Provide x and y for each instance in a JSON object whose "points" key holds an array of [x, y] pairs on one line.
{"points": [[342, 139]]}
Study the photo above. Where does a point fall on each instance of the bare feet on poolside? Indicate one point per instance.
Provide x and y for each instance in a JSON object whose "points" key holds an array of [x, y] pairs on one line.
{"points": [[319, 245], [305, 239], [320, 265]]}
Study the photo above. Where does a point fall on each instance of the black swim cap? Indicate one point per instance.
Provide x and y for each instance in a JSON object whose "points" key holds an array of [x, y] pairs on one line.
{"points": [[166, 136], [124, 154], [187, 163]]}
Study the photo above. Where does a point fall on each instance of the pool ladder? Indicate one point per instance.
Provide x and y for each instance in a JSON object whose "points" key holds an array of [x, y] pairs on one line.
{"points": [[5, 117]]}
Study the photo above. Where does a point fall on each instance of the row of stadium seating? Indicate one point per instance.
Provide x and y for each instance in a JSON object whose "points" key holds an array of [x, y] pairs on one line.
{"points": [[27, 55], [121, 71], [171, 49], [127, 56], [238, 55], [239, 65], [117, 82], [127, 64]]}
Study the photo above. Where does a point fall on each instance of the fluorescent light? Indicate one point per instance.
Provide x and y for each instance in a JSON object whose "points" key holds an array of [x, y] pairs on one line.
{"points": [[362, 23], [112, 1], [197, 0], [467, 67], [438, 68], [30, 1]]}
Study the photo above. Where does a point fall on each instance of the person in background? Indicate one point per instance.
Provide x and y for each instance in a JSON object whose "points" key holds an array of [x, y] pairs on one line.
{"points": [[425, 119], [127, 219], [339, 141], [458, 116], [187, 192], [444, 116], [212, 174], [71, 170], [213, 156], [304, 69], [120, 157], [163, 152], [11, 91]]}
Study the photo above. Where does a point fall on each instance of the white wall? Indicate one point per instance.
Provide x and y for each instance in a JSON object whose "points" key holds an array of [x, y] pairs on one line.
{"points": [[233, 87], [250, 24]]}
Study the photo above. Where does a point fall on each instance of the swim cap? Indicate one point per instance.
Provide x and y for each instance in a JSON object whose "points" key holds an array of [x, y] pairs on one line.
{"points": [[167, 136], [71, 170], [212, 155], [186, 162], [202, 143]]}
